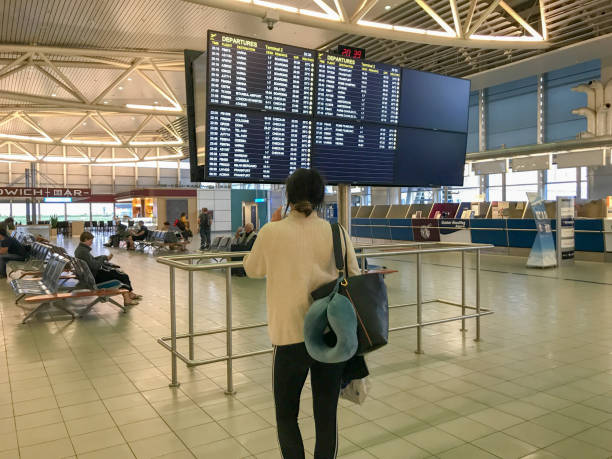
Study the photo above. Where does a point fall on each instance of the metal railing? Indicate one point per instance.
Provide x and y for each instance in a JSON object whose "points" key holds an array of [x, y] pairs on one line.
{"points": [[191, 263]]}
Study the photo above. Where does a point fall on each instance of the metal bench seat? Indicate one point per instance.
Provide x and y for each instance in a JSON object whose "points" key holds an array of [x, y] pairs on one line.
{"points": [[42, 289], [39, 252]]}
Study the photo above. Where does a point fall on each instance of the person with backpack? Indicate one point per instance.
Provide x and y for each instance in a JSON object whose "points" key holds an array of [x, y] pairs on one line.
{"points": [[204, 224]]}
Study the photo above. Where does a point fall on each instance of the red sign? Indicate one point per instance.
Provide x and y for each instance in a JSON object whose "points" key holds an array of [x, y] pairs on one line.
{"points": [[23, 192], [350, 51]]}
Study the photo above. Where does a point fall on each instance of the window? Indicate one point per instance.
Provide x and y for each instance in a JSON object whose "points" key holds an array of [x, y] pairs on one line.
{"points": [[78, 211], [562, 182], [102, 211], [5, 210], [48, 210], [495, 193], [19, 212], [519, 192]]}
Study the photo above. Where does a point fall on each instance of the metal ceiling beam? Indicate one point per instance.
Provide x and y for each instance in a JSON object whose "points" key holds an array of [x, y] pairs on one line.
{"points": [[92, 63], [95, 52], [62, 104], [483, 17], [553, 147], [383, 31]]}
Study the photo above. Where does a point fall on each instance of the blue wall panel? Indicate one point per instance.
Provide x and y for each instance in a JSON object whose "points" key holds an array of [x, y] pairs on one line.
{"points": [[512, 113], [560, 100]]}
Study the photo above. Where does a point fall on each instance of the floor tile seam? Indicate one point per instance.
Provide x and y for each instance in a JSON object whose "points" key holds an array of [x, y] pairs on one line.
{"points": [[57, 404], [2, 325], [116, 426], [505, 272]]}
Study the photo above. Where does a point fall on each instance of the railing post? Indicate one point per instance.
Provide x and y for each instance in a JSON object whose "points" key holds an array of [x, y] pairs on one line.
{"points": [[174, 382], [419, 267], [463, 329], [477, 294], [191, 346], [228, 333]]}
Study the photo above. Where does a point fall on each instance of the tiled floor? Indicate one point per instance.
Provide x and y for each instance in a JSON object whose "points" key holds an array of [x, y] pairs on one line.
{"points": [[539, 385]]}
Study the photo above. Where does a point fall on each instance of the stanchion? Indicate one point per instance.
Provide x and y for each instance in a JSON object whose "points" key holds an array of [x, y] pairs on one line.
{"points": [[477, 295], [228, 335], [174, 382], [463, 329], [191, 330], [419, 268]]}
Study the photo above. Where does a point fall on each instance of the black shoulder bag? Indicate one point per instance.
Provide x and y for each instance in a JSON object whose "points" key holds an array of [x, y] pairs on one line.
{"points": [[367, 293]]}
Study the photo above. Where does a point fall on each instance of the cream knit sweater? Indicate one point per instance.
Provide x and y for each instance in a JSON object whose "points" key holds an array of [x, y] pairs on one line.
{"points": [[296, 256]]}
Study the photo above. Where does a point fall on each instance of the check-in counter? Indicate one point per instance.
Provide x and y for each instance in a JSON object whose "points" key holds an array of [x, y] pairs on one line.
{"points": [[487, 231]]}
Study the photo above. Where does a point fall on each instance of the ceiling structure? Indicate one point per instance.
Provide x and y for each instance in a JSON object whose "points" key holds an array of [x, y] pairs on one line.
{"points": [[103, 81]]}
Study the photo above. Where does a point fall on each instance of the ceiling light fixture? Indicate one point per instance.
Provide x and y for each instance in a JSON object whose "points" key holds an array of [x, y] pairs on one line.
{"points": [[387, 7], [155, 143], [91, 142], [26, 138], [53, 95], [120, 88]]}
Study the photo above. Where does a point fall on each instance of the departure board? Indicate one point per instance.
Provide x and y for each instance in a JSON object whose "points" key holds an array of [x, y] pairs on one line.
{"points": [[355, 153], [357, 90], [249, 73], [253, 146], [259, 110]]}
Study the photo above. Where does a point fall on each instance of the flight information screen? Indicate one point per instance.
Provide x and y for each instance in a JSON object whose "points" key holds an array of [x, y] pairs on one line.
{"points": [[349, 152], [249, 73], [254, 146], [357, 90]]}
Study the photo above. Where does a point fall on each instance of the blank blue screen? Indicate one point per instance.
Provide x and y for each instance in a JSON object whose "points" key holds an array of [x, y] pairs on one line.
{"points": [[429, 158], [432, 101]]}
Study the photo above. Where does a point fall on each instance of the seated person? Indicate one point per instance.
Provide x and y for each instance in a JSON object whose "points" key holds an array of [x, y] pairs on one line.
{"points": [[101, 272], [139, 233], [237, 236], [245, 242], [10, 249], [172, 239], [183, 225], [247, 239]]}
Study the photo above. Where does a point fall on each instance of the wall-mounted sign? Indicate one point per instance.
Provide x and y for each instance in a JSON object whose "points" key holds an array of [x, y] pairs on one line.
{"points": [[259, 200], [351, 51], [57, 200], [43, 192]]}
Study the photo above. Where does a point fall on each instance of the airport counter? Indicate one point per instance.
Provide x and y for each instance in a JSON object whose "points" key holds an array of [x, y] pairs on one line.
{"points": [[591, 235]]}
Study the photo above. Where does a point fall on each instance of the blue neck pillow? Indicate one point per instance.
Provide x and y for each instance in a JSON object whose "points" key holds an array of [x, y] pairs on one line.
{"points": [[337, 312]]}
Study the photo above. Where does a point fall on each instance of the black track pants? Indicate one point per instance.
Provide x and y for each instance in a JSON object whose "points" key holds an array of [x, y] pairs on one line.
{"points": [[290, 368]]}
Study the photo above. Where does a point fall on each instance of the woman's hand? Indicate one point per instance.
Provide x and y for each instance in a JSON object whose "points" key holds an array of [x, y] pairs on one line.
{"points": [[109, 256], [277, 215]]}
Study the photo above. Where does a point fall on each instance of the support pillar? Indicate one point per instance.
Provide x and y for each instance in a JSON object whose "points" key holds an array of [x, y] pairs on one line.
{"points": [[344, 206]]}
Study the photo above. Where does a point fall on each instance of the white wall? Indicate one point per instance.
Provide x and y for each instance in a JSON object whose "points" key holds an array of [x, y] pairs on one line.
{"points": [[220, 202]]}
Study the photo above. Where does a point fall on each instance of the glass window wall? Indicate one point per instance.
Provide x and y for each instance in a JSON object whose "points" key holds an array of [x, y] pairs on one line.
{"points": [[78, 211]]}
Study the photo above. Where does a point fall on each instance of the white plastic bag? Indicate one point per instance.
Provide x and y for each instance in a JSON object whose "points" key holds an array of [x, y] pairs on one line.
{"points": [[357, 390]]}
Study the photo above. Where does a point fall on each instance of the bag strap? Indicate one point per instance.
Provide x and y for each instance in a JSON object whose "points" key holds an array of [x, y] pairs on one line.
{"points": [[337, 246], [346, 273]]}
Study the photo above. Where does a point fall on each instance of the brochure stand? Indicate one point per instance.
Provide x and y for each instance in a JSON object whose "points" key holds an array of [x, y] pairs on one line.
{"points": [[565, 229]]}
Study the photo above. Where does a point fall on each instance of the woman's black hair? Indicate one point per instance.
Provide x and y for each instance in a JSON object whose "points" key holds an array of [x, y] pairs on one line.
{"points": [[305, 191]]}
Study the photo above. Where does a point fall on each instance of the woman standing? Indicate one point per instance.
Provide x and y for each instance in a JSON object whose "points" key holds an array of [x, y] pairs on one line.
{"points": [[295, 254]]}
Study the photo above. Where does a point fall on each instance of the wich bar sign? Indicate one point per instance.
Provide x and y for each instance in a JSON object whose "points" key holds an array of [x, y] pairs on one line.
{"points": [[25, 192]]}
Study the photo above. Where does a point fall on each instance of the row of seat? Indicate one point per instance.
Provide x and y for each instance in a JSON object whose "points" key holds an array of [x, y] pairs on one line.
{"points": [[59, 279], [158, 240]]}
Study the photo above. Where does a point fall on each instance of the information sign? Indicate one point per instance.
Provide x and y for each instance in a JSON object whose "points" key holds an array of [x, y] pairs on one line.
{"points": [[249, 73], [357, 90]]}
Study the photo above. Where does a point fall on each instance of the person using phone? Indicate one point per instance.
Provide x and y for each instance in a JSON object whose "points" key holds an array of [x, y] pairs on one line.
{"points": [[295, 255]]}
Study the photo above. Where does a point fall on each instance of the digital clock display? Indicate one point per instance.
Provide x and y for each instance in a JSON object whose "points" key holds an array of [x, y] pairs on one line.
{"points": [[351, 51]]}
